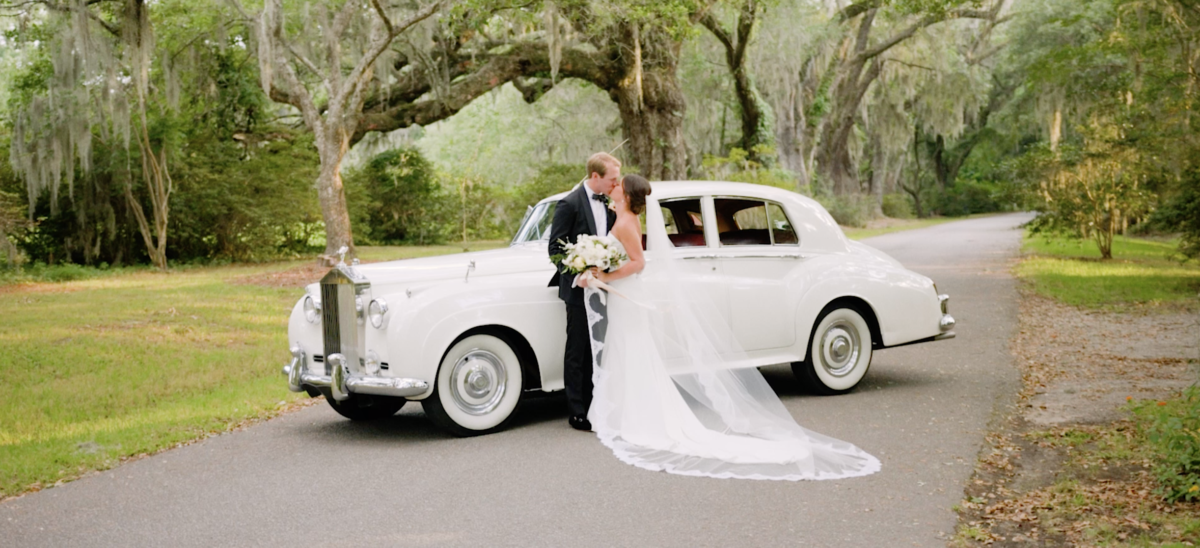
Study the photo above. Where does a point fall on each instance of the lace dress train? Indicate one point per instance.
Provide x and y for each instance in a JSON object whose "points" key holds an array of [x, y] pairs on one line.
{"points": [[698, 418]]}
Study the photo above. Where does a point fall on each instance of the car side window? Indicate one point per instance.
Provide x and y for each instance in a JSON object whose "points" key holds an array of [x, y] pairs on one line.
{"points": [[750, 221], [782, 232], [684, 222]]}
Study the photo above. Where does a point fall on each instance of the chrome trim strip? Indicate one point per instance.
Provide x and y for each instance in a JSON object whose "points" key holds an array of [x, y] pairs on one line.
{"points": [[944, 336], [765, 256]]}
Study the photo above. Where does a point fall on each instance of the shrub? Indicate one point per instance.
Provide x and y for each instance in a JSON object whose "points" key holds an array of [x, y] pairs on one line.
{"points": [[898, 206], [966, 197], [245, 203], [397, 198], [1181, 214], [478, 208], [1174, 430], [849, 210], [737, 167], [550, 180]]}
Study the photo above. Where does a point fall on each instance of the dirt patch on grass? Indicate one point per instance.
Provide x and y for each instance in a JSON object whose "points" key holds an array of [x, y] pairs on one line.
{"points": [[1067, 467], [39, 287], [295, 277], [1080, 366]]}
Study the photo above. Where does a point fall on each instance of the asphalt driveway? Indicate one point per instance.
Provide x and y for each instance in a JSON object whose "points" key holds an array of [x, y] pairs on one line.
{"points": [[311, 478]]}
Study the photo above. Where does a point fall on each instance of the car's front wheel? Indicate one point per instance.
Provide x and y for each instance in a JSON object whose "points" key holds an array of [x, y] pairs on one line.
{"points": [[839, 352], [364, 407], [478, 387]]}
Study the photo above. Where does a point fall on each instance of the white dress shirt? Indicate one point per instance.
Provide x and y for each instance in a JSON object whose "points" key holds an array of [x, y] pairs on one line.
{"points": [[598, 211]]}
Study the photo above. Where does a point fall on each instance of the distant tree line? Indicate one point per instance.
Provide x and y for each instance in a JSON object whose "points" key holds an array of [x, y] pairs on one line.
{"points": [[223, 130]]}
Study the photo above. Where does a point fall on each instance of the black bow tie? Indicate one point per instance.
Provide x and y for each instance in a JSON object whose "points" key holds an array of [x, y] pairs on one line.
{"points": [[600, 198]]}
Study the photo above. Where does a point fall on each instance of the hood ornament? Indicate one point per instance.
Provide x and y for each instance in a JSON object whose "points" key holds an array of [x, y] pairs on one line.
{"points": [[342, 254]]}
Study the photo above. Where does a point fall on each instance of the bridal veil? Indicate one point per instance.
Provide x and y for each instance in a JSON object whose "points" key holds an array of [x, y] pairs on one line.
{"points": [[670, 393]]}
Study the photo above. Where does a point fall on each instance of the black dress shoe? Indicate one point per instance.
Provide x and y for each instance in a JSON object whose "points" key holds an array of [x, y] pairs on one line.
{"points": [[579, 422]]}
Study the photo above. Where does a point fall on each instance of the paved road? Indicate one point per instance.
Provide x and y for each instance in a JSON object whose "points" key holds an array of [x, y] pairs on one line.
{"points": [[311, 478]]}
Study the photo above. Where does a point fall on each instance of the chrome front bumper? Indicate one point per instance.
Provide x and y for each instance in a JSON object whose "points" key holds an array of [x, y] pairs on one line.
{"points": [[947, 321], [342, 382]]}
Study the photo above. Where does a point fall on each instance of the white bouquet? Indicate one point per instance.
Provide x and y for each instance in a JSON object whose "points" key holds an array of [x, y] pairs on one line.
{"points": [[603, 252]]}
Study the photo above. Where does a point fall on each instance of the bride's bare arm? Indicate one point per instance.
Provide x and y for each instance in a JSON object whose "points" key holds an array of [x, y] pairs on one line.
{"points": [[629, 234]]}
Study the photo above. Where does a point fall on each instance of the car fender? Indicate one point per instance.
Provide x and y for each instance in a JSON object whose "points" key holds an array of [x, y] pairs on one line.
{"points": [[904, 303], [433, 319]]}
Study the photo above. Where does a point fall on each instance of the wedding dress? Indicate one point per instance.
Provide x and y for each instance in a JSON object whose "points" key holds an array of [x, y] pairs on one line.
{"points": [[668, 395]]}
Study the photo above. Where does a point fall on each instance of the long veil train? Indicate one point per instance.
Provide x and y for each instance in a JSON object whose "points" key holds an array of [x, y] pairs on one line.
{"points": [[669, 394]]}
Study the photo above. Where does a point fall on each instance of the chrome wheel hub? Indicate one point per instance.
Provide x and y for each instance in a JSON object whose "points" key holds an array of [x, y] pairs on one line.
{"points": [[477, 382], [840, 347]]}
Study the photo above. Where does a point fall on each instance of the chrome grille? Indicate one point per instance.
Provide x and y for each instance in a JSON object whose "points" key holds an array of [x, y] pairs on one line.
{"points": [[329, 320], [341, 329]]}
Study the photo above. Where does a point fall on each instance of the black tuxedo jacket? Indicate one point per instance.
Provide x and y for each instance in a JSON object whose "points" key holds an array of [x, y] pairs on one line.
{"points": [[572, 217]]}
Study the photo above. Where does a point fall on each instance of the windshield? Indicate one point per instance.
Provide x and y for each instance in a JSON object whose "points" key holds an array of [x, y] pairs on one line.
{"points": [[536, 226]]}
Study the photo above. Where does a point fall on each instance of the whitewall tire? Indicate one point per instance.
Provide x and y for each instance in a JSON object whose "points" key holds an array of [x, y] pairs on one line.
{"points": [[839, 353], [478, 387]]}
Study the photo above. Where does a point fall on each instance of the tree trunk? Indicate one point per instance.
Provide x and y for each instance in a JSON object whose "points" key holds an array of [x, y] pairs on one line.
{"points": [[791, 143], [838, 173], [756, 116], [652, 112], [833, 154], [879, 170], [331, 147], [756, 119]]}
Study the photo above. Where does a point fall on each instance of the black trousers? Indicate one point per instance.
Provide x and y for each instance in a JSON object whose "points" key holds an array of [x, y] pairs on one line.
{"points": [[577, 361]]}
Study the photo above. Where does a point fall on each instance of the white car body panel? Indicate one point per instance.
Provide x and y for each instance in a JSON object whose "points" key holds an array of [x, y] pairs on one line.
{"points": [[773, 294]]}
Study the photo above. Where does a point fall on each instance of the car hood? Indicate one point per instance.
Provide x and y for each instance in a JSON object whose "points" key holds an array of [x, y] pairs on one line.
{"points": [[393, 275]]}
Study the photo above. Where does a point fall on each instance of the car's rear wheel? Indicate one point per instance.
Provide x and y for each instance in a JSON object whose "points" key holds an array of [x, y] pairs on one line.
{"points": [[365, 407], [839, 352], [478, 387]]}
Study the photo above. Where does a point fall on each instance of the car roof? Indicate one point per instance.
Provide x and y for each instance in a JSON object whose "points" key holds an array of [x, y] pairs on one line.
{"points": [[816, 228], [672, 189]]}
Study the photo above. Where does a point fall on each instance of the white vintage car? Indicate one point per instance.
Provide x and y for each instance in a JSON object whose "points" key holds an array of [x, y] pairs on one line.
{"points": [[470, 335]]}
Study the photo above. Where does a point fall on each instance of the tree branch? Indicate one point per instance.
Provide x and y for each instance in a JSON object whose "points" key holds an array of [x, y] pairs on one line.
{"points": [[387, 23], [356, 77], [745, 27], [112, 29], [714, 26], [864, 32], [854, 10], [926, 21], [523, 59]]}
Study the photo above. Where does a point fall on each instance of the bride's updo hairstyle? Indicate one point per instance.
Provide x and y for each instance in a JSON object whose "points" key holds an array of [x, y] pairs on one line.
{"points": [[636, 190]]}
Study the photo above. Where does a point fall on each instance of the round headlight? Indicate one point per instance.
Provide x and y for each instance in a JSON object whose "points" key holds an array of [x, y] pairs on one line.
{"points": [[376, 311], [312, 309]]}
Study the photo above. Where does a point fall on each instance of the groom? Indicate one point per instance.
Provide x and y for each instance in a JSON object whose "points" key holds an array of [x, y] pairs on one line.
{"points": [[583, 211]]}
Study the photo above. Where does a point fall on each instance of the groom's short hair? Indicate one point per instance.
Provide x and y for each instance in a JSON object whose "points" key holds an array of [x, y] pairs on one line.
{"points": [[600, 162]]}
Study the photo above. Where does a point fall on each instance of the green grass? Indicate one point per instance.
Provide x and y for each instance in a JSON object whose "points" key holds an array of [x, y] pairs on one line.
{"points": [[104, 368], [1141, 274]]}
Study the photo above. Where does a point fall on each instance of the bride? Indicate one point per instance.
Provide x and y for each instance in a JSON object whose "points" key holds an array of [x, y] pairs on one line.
{"points": [[668, 395]]}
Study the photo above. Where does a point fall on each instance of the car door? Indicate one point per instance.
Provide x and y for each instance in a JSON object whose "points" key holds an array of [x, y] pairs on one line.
{"points": [[757, 251], [686, 222]]}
